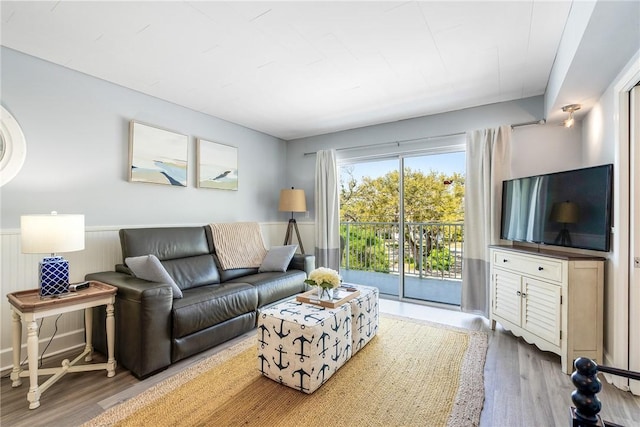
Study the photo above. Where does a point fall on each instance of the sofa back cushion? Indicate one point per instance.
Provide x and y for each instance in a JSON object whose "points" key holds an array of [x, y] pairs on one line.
{"points": [[185, 252], [193, 271], [165, 243], [149, 267]]}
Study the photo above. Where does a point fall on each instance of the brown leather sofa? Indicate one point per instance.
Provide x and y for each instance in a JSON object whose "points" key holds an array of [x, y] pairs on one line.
{"points": [[154, 330]]}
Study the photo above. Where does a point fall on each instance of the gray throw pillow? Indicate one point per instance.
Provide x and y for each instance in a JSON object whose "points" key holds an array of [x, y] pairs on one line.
{"points": [[278, 258], [149, 267]]}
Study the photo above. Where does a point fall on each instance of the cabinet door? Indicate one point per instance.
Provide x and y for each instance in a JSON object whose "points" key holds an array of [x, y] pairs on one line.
{"points": [[506, 296], [541, 309]]}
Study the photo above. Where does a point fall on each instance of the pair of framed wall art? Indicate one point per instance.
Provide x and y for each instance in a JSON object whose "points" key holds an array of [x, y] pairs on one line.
{"points": [[160, 156]]}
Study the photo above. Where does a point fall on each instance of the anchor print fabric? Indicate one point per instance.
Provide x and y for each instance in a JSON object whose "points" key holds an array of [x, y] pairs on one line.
{"points": [[302, 345], [364, 312]]}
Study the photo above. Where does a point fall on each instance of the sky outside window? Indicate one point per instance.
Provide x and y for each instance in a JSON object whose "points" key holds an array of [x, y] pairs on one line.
{"points": [[447, 163]]}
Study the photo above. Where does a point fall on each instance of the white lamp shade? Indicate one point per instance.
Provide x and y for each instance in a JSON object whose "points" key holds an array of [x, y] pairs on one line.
{"points": [[292, 200], [50, 234]]}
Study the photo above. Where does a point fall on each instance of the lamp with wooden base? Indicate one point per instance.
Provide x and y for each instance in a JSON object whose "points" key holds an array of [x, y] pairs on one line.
{"points": [[292, 200]]}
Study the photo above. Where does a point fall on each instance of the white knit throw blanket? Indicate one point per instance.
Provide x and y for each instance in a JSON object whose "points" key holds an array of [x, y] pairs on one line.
{"points": [[238, 244]]}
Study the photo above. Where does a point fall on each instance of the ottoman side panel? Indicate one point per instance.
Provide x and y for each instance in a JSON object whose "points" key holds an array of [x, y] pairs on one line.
{"points": [[365, 317], [302, 345]]}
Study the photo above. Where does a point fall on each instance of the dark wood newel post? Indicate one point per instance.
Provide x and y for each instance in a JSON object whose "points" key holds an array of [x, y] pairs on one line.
{"points": [[585, 378]]}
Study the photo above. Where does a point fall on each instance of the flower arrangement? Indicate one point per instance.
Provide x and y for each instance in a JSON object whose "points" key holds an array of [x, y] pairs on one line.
{"points": [[323, 277]]}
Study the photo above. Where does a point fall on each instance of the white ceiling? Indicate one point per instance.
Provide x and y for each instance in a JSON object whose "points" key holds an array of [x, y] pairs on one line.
{"points": [[295, 69]]}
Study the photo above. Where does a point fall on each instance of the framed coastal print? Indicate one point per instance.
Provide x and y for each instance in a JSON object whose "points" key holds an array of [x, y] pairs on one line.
{"points": [[217, 165], [157, 155]]}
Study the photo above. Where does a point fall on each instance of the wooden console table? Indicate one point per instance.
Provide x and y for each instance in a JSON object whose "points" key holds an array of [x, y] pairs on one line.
{"points": [[28, 305], [552, 299]]}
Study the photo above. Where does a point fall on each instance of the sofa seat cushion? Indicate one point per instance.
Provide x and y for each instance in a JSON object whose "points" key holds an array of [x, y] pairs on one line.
{"points": [[274, 286], [209, 305]]}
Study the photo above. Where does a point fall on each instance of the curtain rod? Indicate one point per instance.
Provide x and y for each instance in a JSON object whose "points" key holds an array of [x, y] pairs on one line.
{"points": [[400, 141], [532, 122], [397, 142]]}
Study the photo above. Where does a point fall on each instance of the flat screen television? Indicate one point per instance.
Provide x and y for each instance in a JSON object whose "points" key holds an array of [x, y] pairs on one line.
{"points": [[570, 208]]}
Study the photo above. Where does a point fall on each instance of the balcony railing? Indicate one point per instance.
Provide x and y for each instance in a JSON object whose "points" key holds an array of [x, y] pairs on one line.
{"points": [[431, 249]]}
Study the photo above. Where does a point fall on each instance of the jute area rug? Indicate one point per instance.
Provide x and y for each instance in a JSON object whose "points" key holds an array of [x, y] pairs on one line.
{"points": [[412, 373]]}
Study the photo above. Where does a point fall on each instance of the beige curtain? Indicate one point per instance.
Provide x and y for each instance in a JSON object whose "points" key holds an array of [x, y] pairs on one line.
{"points": [[488, 164], [327, 202]]}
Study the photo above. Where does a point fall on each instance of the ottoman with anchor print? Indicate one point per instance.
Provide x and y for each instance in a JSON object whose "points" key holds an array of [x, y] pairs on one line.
{"points": [[365, 314], [302, 345]]}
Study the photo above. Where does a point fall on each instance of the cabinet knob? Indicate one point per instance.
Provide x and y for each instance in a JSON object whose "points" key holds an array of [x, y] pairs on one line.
{"points": [[518, 293], [505, 260], [524, 295], [540, 268]]}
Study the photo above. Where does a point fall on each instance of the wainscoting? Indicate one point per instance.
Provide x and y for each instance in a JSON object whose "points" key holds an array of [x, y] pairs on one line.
{"points": [[102, 252]]}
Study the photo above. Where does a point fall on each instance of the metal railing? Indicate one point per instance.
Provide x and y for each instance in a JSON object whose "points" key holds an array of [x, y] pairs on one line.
{"points": [[431, 249]]}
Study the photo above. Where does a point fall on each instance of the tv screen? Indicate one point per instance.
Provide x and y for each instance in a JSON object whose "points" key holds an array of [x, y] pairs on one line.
{"points": [[571, 208]]}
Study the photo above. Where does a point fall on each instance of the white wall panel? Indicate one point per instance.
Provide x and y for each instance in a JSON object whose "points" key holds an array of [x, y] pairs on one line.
{"points": [[102, 252], [20, 272]]}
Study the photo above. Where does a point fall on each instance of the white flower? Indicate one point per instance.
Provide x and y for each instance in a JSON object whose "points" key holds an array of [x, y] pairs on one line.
{"points": [[324, 277]]}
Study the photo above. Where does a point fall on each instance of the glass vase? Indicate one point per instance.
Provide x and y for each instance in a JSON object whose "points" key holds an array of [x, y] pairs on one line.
{"points": [[325, 294]]}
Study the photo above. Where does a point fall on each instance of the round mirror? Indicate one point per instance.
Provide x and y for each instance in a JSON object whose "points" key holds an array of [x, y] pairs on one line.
{"points": [[13, 147]]}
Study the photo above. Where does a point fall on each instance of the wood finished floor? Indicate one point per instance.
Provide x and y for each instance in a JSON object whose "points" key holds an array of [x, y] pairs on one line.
{"points": [[523, 385]]}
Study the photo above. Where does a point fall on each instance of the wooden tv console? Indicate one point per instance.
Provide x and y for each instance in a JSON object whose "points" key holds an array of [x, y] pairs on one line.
{"points": [[552, 299]]}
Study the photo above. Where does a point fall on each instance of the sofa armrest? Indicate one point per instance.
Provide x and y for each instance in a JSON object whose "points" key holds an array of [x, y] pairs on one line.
{"points": [[143, 322], [306, 263], [133, 288]]}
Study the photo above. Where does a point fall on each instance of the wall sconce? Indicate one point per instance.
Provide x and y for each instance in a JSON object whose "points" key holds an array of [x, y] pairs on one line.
{"points": [[571, 108], [292, 201], [41, 234]]}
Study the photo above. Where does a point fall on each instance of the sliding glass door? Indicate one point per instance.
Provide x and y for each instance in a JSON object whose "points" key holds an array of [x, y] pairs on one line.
{"points": [[433, 215], [369, 224], [402, 232]]}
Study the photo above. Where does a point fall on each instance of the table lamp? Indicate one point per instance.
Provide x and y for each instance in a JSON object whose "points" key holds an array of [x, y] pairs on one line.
{"points": [[565, 213], [52, 234], [292, 201]]}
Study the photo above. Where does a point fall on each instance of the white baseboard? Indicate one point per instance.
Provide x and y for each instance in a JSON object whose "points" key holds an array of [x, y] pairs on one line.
{"points": [[615, 380], [60, 344]]}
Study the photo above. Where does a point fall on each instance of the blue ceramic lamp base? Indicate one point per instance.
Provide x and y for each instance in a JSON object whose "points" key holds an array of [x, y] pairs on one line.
{"points": [[54, 276]]}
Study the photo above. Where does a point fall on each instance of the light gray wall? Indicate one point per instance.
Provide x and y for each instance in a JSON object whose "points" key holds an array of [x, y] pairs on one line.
{"points": [[600, 129], [605, 140], [536, 149], [76, 128], [77, 150], [544, 149]]}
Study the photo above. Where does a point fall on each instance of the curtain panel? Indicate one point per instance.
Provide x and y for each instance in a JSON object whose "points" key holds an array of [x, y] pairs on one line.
{"points": [[488, 164], [327, 203]]}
